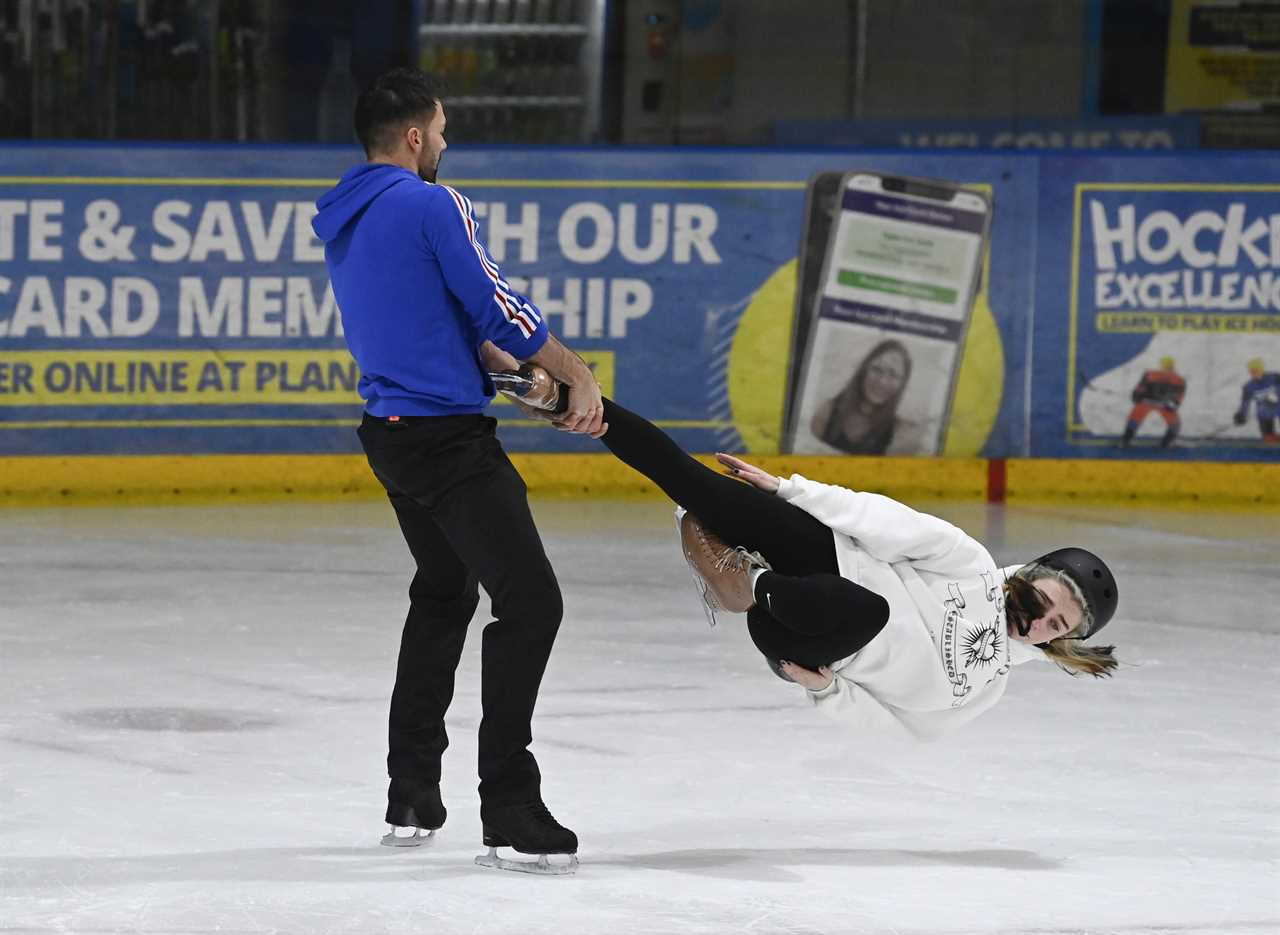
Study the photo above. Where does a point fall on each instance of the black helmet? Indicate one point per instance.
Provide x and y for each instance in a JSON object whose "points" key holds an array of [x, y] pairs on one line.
{"points": [[1092, 577]]}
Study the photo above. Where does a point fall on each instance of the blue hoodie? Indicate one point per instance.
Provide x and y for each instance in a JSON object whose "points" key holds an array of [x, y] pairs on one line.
{"points": [[418, 292]]}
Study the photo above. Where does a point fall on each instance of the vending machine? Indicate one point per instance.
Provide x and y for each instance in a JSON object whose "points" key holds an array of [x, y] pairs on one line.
{"points": [[518, 71]]}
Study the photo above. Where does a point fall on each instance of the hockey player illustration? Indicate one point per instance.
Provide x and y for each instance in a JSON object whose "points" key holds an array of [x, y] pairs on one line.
{"points": [[1160, 391], [1263, 391]]}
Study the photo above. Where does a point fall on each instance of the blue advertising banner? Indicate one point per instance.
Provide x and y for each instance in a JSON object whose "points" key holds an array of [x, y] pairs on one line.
{"points": [[1159, 277], [171, 299]]}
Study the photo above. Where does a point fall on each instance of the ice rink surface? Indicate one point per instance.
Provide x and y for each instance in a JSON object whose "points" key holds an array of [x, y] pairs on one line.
{"points": [[192, 722]]}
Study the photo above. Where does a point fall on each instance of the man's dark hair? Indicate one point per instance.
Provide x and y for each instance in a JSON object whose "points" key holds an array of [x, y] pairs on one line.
{"points": [[395, 98]]}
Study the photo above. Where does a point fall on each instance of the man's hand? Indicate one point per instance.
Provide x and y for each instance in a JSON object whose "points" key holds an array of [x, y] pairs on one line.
{"points": [[753, 475], [586, 410], [814, 681]]}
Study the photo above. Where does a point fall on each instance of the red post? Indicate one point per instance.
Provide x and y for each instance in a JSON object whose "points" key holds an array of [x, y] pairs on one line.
{"points": [[996, 478]]}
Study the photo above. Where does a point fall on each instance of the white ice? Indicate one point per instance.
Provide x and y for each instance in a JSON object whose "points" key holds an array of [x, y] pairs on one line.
{"points": [[192, 723]]}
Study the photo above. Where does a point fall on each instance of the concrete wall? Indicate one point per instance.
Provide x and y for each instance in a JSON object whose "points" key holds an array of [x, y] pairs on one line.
{"points": [[792, 60], [973, 58], [733, 68]]}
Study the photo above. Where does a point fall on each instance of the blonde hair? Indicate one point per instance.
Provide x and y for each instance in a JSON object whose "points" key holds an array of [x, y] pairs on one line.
{"points": [[1073, 657], [1069, 652]]}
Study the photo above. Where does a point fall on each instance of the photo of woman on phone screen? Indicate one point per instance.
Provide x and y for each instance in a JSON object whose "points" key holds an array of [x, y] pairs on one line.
{"points": [[863, 417]]}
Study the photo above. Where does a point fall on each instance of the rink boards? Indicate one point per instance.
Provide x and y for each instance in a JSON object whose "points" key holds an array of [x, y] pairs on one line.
{"points": [[44, 480], [161, 302]]}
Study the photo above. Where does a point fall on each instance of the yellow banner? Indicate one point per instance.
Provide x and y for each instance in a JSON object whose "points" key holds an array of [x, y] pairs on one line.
{"points": [[177, 378], [203, 377], [1217, 322], [1222, 56]]}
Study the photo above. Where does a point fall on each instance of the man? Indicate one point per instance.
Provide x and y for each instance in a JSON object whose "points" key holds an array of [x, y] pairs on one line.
{"points": [[1263, 391], [1160, 391], [426, 313]]}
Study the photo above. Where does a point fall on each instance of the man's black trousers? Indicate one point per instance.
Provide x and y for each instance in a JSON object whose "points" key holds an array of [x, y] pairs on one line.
{"points": [[465, 515]]}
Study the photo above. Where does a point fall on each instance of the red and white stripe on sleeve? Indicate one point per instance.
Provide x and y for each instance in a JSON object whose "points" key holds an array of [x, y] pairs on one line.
{"points": [[521, 314]]}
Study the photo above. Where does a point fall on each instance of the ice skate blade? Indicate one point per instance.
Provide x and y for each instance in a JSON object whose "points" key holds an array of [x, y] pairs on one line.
{"points": [[419, 837], [541, 866], [709, 606]]}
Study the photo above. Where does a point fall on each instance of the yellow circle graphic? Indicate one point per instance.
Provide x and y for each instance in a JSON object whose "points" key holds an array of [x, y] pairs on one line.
{"points": [[761, 352]]}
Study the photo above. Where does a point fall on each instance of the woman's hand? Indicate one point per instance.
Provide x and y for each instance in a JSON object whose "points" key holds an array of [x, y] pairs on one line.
{"points": [[814, 681], [748, 472]]}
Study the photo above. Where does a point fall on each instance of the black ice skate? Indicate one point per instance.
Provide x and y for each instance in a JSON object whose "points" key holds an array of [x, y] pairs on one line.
{"points": [[534, 387], [529, 828], [413, 808]]}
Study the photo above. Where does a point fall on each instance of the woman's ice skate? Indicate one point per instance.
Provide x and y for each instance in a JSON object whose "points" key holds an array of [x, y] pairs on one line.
{"points": [[534, 387], [721, 573]]}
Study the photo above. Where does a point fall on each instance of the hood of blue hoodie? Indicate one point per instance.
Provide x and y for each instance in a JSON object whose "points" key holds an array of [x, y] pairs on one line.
{"points": [[359, 186]]}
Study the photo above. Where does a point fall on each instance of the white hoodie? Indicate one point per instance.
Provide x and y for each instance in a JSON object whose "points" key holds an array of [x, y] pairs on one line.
{"points": [[944, 656]]}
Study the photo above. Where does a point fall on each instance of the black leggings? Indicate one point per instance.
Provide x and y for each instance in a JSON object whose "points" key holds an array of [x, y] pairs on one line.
{"points": [[805, 612]]}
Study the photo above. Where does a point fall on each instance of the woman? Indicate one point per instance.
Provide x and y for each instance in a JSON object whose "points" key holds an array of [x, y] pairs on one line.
{"points": [[862, 419], [883, 614]]}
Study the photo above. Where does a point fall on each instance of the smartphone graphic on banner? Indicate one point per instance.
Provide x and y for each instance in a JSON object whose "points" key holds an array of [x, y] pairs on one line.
{"points": [[885, 332], [821, 204]]}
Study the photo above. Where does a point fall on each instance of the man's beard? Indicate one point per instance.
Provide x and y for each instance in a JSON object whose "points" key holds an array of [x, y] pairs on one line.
{"points": [[429, 174]]}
